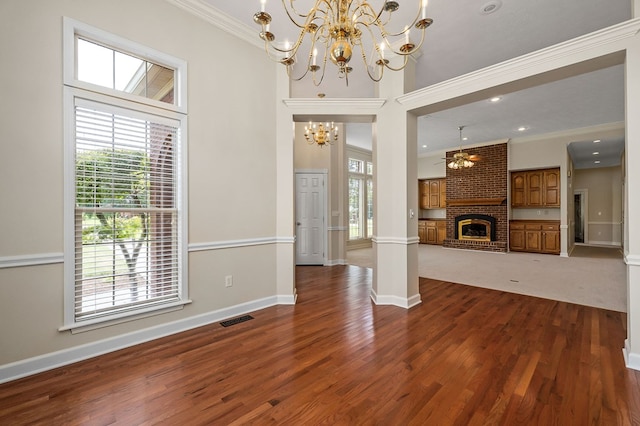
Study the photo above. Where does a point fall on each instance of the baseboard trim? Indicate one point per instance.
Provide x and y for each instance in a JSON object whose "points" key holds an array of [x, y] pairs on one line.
{"points": [[631, 360], [401, 302], [38, 364]]}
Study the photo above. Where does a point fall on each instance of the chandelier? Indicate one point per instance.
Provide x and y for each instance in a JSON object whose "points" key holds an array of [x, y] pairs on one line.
{"points": [[461, 160], [336, 28], [321, 134]]}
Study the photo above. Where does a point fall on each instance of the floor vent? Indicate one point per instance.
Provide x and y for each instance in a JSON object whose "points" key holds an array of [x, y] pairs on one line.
{"points": [[237, 320]]}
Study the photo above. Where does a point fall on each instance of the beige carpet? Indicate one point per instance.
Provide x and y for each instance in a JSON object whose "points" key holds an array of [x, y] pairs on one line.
{"points": [[591, 276]]}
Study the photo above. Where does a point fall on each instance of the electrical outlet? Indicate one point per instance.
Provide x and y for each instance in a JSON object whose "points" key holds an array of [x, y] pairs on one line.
{"points": [[228, 281]]}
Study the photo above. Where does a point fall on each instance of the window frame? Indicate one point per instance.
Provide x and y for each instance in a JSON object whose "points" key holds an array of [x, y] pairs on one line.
{"points": [[365, 176], [73, 90], [73, 28]]}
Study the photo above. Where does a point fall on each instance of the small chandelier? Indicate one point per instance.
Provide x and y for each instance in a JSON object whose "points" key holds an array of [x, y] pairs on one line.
{"points": [[336, 27], [461, 160], [321, 134]]}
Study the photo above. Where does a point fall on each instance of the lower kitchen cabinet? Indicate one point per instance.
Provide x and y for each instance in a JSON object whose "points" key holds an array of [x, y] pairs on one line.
{"points": [[535, 236], [432, 231]]}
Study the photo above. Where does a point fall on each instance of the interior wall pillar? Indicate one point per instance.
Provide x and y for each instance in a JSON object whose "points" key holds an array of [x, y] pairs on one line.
{"points": [[338, 226], [285, 193], [395, 240], [632, 203]]}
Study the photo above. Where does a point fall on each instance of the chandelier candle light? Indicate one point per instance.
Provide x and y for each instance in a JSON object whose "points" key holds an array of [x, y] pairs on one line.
{"points": [[321, 134], [337, 26]]}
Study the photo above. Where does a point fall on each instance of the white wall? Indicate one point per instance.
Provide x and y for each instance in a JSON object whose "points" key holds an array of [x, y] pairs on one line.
{"points": [[231, 167], [604, 186]]}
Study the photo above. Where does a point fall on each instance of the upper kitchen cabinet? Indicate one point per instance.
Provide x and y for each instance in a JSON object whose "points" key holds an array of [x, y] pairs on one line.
{"points": [[535, 188], [433, 193]]}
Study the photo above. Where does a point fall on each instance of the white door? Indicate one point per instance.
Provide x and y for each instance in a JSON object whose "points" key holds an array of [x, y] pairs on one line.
{"points": [[310, 233]]}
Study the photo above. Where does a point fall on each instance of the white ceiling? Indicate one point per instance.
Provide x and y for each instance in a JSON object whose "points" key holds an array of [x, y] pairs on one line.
{"points": [[464, 39]]}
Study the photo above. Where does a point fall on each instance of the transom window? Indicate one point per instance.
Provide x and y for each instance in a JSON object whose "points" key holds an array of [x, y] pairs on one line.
{"points": [[120, 71]]}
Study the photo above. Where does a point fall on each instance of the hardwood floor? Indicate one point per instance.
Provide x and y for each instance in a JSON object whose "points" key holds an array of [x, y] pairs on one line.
{"points": [[465, 356]]}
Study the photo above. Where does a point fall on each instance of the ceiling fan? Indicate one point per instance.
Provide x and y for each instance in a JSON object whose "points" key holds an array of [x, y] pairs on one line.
{"points": [[461, 160]]}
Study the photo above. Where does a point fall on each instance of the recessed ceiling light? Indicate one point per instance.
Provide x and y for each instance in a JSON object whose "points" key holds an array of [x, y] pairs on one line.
{"points": [[490, 7], [522, 128], [596, 162], [495, 99], [596, 141], [596, 153], [424, 146], [465, 138]]}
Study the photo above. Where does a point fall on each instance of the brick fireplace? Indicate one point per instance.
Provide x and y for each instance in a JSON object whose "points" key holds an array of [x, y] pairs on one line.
{"points": [[479, 192]]}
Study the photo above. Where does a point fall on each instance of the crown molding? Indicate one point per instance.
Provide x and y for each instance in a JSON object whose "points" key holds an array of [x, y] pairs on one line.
{"points": [[590, 46], [225, 22], [373, 103], [617, 126], [335, 107]]}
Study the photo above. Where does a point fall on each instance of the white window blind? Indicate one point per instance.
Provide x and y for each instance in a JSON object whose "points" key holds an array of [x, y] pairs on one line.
{"points": [[126, 210]]}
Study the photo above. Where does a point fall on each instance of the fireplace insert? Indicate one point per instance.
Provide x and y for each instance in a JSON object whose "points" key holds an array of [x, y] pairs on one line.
{"points": [[477, 227]]}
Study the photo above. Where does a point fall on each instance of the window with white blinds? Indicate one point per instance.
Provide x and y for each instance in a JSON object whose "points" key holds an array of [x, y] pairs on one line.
{"points": [[126, 239], [125, 179]]}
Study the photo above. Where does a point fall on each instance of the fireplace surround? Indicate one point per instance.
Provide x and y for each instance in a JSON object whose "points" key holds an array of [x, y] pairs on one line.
{"points": [[480, 194]]}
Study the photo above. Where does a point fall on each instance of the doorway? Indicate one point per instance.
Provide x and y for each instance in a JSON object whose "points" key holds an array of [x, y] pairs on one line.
{"points": [[580, 216], [310, 218]]}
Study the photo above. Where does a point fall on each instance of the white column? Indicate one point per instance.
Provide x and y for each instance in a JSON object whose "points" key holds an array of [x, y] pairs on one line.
{"points": [[338, 226], [632, 203], [285, 194], [395, 241]]}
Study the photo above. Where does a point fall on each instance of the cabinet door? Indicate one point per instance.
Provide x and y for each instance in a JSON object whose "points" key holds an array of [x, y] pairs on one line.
{"points": [[441, 228], [443, 193], [518, 182], [424, 194], [550, 242], [533, 242], [516, 240], [422, 232], [434, 194], [535, 189], [432, 233], [551, 181]]}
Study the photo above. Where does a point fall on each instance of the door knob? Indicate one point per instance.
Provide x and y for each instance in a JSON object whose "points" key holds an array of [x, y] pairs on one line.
{"points": [[298, 223]]}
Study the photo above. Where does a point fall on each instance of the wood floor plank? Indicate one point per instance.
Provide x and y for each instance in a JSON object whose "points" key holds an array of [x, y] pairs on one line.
{"points": [[464, 356]]}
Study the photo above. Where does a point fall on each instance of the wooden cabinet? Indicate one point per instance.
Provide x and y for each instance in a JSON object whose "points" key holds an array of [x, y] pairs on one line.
{"points": [[422, 231], [423, 188], [535, 188], [551, 183], [550, 239], [441, 226], [517, 237], [534, 236], [518, 189], [432, 231], [432, 193]]}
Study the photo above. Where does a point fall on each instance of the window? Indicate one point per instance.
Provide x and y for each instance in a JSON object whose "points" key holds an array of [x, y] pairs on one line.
{"points": [[360, 199], [116, 70], [124, 215]]}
